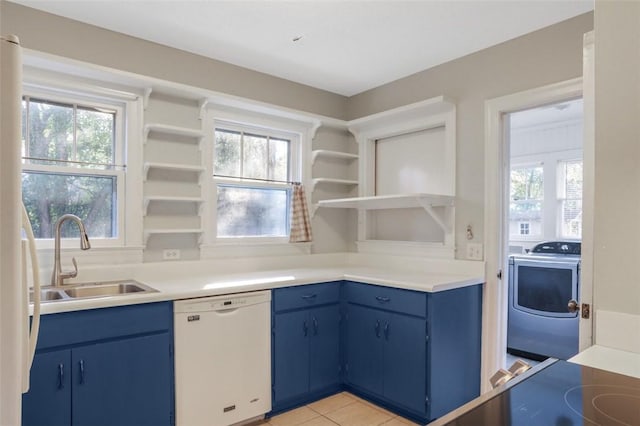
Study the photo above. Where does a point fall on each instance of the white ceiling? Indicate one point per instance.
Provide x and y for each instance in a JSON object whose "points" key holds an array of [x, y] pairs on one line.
{"points": [[347, 47]]}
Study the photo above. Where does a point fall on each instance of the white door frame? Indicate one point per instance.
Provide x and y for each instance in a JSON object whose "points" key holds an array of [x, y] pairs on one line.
{"points": [[494, 316]]}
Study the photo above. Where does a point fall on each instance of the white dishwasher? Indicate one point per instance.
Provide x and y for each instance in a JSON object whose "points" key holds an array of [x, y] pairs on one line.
{"points": [[222, 359]]}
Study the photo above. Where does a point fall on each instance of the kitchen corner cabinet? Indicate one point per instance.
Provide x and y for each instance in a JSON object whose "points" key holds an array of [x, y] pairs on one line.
{"points": [[417, 353], [305, 344], [111, 366]]}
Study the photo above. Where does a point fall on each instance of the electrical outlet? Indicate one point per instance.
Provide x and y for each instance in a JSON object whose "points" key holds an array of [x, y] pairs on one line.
{"points": [[171, 254], [474, 251]]}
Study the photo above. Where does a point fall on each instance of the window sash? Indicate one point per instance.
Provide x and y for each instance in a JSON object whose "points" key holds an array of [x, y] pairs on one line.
{"points": [[117, 169], [268, 136], [293, 175]]}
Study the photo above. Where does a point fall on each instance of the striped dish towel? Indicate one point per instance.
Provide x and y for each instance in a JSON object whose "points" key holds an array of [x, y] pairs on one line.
{"points": [[300, 222]]}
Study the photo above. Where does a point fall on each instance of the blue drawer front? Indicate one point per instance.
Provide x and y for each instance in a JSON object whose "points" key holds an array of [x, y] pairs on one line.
{"points": [[306, 295], [71, 328], [391, 299]]}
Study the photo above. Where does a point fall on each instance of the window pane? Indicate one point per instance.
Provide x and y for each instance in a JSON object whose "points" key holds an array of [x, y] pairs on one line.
{"points": [[95, 136], [526, 201], [227, 153], [572, 218], [255, 157], [50, 131], [47, 196], [573, 180], [279, 159], [252, 212]]}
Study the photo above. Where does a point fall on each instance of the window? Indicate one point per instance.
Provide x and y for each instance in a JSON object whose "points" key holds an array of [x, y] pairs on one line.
{"points": [[71, 155], [526, 201], [570, 198], [253, 169]]}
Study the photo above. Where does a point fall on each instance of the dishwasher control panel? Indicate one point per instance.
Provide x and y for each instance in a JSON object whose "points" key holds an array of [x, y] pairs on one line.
{"points": [[221, 303]]}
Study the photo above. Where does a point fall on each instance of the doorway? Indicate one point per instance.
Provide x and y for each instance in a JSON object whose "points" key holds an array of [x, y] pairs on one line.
{"points": [[497, 188], [542, 242]]}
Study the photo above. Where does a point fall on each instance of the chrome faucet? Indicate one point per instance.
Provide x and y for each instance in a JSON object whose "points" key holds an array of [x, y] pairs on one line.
{"points": [[58, 276]]}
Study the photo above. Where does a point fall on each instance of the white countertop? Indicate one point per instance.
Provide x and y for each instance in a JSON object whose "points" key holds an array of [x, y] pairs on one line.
{"points": [[212, 284], [615, 360]]}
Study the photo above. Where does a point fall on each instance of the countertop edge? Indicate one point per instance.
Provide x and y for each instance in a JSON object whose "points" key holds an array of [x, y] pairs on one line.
{"points": [[205, 286]]}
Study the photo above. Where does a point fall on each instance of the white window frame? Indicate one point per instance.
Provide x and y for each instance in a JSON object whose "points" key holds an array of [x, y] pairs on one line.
{"points": [[294, 168], [126, 117], [562, 196], [530, 236], [300, 130]]}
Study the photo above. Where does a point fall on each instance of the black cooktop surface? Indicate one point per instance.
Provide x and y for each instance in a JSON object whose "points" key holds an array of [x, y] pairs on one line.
{"points": [[563, 394]]}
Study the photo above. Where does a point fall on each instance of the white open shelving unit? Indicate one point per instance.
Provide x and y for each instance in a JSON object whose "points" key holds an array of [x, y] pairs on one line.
{"points": [[438, 112], [150, 165], [173, 173], [196, 134], [325, 153]]}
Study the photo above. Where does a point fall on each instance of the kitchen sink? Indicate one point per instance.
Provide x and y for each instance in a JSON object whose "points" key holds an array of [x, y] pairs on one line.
{"points": [[107, 289], [49, 295], [93, 290]]}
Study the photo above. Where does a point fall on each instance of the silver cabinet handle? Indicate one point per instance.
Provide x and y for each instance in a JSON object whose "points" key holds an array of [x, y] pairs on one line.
{"points": [[60, 376], [383, 299], [315, 326], [386, 330], [81, 371], [377, 328]]}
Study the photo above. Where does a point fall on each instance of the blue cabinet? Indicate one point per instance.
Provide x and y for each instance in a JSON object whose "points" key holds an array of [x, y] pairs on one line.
{"points": [[48, 401], [103, 367], [305, 344], [386, 347], [416, 353]]}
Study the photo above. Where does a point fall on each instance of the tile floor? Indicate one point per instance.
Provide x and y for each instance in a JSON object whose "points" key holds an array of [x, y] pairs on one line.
{"points": [[342, 409]]}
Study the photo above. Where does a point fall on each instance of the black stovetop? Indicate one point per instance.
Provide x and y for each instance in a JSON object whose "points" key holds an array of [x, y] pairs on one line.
{"points": [[562, 394]]}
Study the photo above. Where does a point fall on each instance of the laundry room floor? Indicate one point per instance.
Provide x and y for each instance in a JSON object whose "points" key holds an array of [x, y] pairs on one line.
{"points": [[343, 409]]}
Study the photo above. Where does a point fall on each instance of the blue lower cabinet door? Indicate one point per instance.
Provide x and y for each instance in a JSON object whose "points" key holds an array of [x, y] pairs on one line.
{"points": [[292, 331], [126, 382], [48, 401], [364, 348], [324, 355], [405, 361]]}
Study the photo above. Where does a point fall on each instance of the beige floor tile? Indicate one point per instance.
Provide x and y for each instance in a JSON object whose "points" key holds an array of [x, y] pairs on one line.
{"points": [[358, 414], [332, 403], [372, 405], [294, 417], [399, 421], [319, 421]]}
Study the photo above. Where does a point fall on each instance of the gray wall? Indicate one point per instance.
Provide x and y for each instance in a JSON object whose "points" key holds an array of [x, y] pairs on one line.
{"points": [[72, 39], [549, 55], [617, 157], [546, 56]]}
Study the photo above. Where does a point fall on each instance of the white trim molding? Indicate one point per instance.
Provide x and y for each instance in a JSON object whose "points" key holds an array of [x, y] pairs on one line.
{"points": [[494, 316]]}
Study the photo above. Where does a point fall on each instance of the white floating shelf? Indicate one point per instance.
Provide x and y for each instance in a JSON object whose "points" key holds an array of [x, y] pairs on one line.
{"points": [[169, 166], [172, 130], [402, 201], [323, 153], [169, 231], [346, 182], [151, 198]]}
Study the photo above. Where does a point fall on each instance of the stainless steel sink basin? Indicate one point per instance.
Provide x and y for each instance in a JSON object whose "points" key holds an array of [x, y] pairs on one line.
{"points": [[49, 295], [93, 290], [107, 289]]}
